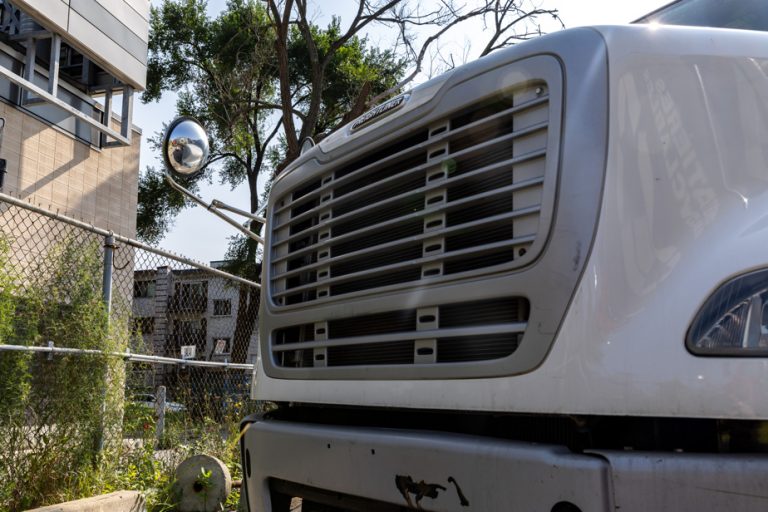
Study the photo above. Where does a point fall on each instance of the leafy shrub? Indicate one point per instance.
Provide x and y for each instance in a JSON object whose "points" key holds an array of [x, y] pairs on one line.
{"points": [[56, 414], [68, 431]]}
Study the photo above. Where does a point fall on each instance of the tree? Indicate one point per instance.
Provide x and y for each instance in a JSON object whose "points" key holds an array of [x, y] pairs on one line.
{"points": [[263, 77]]}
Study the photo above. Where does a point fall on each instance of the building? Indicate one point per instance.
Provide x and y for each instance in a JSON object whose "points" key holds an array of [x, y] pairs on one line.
{"points": [[69, 70], [173, 309]]}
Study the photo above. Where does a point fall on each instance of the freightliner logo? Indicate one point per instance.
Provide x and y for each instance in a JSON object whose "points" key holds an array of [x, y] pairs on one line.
{"points": [[380, 110]]}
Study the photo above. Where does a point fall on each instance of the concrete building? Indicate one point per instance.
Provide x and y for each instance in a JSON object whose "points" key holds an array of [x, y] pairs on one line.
{"points": [[187, 308], [69, 70]]}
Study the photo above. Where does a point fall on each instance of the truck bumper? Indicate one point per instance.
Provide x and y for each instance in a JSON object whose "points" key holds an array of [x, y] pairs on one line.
{"points": [[385, 469]]}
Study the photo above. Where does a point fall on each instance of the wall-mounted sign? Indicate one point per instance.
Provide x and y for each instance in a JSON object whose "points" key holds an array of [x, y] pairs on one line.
{"points": [[220, 347], [187, 351]]}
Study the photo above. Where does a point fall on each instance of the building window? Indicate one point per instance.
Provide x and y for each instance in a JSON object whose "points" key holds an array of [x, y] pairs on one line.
{"points": [[745, 14], [197, 288], [143, 289], [222, 307], [221, 346], [189, 326], [144, 325], [190, 297]]}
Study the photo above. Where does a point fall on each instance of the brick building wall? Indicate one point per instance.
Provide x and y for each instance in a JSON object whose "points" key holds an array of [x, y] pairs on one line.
{"points": [[53, 169]]}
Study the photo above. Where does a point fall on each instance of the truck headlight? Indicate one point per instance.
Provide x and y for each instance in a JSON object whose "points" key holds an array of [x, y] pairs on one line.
{"points": [[734, 320]]}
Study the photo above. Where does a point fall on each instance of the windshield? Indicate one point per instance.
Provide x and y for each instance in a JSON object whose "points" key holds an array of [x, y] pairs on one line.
{"points": [[741, 14]]}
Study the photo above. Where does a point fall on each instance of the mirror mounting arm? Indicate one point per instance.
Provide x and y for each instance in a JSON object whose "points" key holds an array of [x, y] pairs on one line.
{"points": [[216, 206]]}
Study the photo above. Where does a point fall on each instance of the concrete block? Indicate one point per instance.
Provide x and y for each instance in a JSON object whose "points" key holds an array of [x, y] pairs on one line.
{"points": [[202, 484], [119, 501]]}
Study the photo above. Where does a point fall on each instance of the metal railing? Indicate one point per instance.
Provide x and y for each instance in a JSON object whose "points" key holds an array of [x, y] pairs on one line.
{"points": [[127, 356]]}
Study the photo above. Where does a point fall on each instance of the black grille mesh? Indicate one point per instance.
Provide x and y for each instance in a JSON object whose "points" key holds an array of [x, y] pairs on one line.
{"points": [[483, 347]]}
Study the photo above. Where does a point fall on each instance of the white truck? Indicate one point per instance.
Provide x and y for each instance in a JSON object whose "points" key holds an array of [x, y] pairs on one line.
{"points": [[538, 282]]}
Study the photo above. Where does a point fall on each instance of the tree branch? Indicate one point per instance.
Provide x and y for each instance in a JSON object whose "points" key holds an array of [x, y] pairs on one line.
{"points": [[281, 41]]}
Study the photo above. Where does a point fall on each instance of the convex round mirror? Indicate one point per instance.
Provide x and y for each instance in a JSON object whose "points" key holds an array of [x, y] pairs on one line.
{"points": [[185, 146]]}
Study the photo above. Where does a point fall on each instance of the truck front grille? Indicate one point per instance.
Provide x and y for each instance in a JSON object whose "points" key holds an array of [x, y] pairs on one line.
{"points": [[450, 333], [450, 200]]}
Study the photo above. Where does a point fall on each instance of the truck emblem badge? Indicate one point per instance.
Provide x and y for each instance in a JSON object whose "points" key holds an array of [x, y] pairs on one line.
{"points": [[380, 110]]}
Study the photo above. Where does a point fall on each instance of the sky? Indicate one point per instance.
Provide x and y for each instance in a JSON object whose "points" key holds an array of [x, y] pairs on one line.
{"points": [[200, 235]]}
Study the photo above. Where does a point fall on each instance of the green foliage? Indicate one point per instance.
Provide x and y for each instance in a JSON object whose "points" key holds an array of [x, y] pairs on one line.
{"points": [[176, 29], [241, 257], [222, 69], [352, 67], [53, 411], [187, 433], [227, 75], [15, 329], [56, 412], [158, 205], [7, 290]]}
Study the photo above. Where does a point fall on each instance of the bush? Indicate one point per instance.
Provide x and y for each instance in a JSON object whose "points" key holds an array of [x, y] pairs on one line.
{"points": [[63, 418], [53, 412]]}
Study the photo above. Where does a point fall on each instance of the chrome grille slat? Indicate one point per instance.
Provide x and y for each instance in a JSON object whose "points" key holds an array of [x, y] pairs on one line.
{"points": [[429, 188], [480, 148], [459, 228], [477, 250], [443, 137], [460, 196], [508, 328]]}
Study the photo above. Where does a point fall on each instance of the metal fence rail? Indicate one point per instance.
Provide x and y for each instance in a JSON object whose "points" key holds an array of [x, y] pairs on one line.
{"points": [[28, 206], [127, 356]]}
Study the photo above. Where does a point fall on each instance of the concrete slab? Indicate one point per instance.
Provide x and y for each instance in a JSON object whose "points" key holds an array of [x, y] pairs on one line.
{"points": [[119, 501]]}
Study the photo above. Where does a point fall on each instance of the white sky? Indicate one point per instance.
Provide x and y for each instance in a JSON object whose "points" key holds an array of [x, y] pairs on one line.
{"points": [[200, 235]]}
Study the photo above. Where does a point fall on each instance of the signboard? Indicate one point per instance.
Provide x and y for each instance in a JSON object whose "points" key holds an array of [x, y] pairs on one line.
{"points": [[220, 347], [187, 351]]}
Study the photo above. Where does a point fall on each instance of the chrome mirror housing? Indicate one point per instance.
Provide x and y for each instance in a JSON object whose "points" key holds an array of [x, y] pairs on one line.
{"points": [[185, 146]]}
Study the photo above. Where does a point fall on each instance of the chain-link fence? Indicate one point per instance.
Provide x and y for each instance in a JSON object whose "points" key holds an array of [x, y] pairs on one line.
{"points": [[112, 352]]}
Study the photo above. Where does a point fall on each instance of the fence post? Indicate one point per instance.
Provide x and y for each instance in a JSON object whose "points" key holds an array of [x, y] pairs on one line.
{"points": [[3, 163], [106, 285], [106, 291], [160, 412]]}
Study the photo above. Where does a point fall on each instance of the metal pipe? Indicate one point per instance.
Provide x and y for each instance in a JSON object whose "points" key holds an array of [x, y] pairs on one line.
{"points": [[224, 206], [106, 284], [128, 356], [53, 66], [3, 163], [160, 414], [29, 87], [213, 209], [128, 241], [106, 290]]}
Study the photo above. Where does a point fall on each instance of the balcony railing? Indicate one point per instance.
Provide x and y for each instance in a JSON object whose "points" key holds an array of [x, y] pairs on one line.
{"points": [[188, 303]]}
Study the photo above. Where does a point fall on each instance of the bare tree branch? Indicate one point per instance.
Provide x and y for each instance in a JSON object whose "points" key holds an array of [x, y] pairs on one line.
{"points": [[419, 56]]}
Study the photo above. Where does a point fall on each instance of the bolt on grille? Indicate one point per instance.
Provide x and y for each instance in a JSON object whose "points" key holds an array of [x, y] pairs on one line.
{"points": [[448, 333], [459, 197]]}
